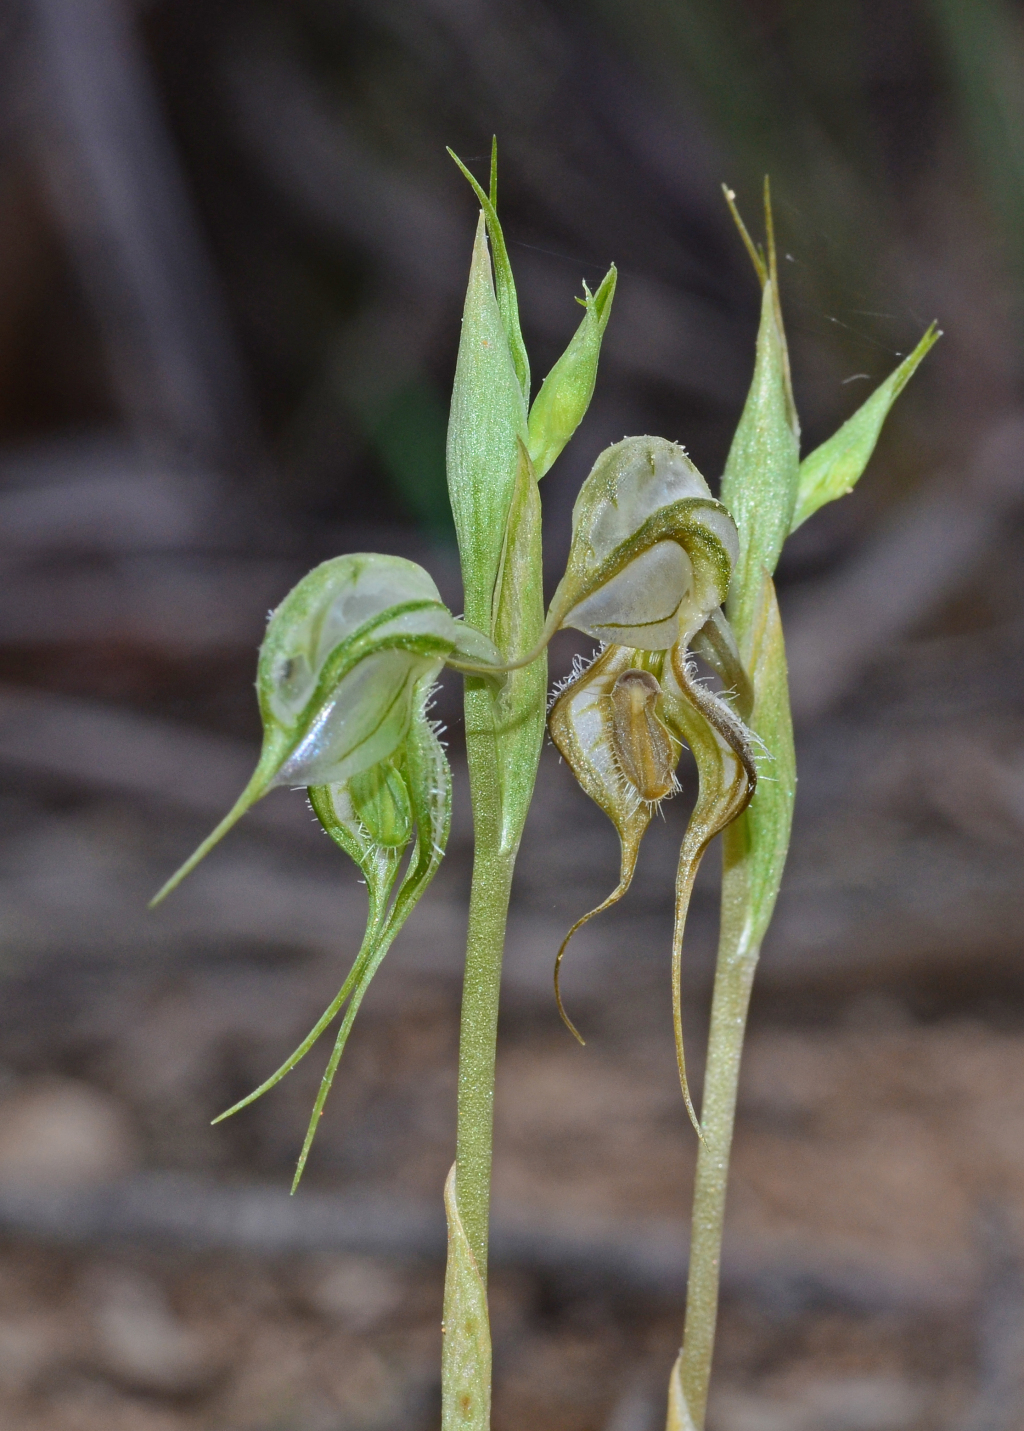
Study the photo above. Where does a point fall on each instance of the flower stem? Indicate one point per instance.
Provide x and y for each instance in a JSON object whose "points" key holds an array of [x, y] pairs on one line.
{"points": [[488, 911], [503, 746], [734, 976]]}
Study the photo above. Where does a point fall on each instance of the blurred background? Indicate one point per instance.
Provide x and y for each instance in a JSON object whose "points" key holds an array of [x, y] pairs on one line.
{"points": [[232, 254]]}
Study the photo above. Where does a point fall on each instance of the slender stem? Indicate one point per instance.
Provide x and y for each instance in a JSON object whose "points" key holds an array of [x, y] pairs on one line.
{"points": [[485, 942], [734, 976], [493, 862]]}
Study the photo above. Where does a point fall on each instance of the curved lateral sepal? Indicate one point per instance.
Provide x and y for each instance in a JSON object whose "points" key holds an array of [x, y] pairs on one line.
{"points": [[379, 886], [578, 725], [430, 790], [332, 806], [628, 866], [429, 782], [466, 1332], [716, 643], [721, 746]]}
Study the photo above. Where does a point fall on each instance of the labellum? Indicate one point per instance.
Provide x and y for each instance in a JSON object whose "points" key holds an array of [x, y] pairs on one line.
{"points": [[605, 725], [642, 746]]}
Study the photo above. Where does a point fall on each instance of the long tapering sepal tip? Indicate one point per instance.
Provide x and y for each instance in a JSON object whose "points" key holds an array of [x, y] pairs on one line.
{"points": [[248, 797]]}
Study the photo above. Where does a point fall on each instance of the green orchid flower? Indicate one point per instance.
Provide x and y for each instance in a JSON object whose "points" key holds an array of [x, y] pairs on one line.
{"points": [[344, 679]]}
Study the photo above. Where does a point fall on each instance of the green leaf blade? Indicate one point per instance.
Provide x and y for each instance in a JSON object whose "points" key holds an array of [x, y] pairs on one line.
{"points": [[833, 469]]}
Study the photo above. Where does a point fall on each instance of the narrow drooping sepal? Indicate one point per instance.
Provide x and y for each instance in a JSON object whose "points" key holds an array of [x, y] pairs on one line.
{"points": [[409, 792], [722, 748], [834, 469], [652, 551], [428, 780], [465, 1330], [582, 724], [379, 864]]}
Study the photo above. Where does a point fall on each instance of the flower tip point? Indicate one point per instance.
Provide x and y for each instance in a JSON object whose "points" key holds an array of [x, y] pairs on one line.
{"points": [[256, 788]]}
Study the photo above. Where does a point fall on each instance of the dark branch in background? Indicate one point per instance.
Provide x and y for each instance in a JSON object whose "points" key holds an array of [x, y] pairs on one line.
{"points": [[92, 119], [648, 1258]]}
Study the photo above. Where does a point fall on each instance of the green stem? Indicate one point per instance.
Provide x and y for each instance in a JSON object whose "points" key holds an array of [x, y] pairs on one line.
{"points": [[485, 942], [503, 738], [734, 977]]}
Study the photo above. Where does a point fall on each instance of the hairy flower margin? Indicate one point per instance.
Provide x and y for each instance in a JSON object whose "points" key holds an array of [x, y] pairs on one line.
{"points": [[352, 653], [660, 573]]}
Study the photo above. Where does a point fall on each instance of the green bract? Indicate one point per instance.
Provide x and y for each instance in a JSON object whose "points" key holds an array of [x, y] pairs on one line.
{"points": [[485, 430], [833, 469], [566, 391]]}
